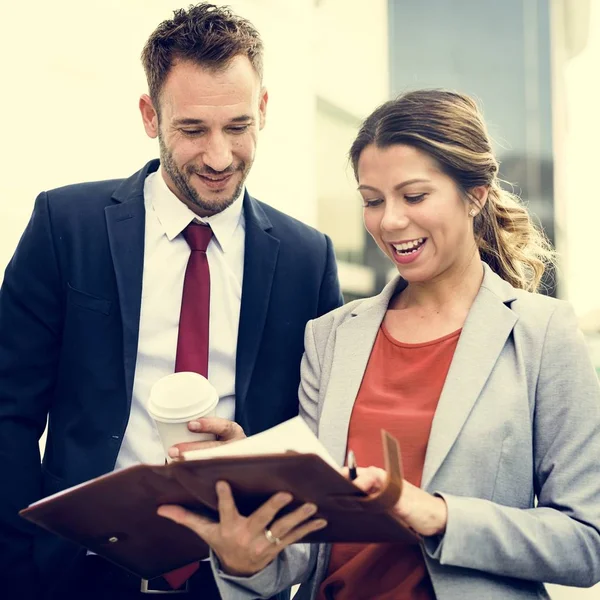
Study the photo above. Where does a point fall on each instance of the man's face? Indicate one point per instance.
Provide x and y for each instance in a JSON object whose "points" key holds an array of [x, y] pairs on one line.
{"points": [[207, 131]]}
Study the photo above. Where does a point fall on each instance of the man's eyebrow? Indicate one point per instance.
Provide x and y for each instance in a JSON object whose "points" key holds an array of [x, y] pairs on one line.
{"points": [[242, 119], [188, 121], [193, 121]]}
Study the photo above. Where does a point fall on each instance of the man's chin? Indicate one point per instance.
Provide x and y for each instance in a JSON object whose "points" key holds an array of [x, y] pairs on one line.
{"points": [[214, 202]]}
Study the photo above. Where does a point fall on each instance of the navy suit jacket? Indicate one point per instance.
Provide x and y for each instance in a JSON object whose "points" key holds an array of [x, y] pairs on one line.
{"points": [[69, 321]]}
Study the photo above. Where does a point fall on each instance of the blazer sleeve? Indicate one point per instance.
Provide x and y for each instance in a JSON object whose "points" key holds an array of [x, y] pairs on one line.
{"points": [[330, 295], [30, 326], [558, 541], [295, 564]]}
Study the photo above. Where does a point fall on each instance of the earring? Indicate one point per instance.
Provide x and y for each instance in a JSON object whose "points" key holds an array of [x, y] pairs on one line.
{"points": [[472, 212]]}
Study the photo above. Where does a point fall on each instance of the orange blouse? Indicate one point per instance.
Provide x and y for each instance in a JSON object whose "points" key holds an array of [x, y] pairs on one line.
{"points": [[399, 392]]}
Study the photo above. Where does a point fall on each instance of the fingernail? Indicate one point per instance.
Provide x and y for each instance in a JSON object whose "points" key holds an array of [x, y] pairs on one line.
{"points": [[162, 510], [320, 523], [194, 426], [285, 498], [174, 452], [309, 509]]}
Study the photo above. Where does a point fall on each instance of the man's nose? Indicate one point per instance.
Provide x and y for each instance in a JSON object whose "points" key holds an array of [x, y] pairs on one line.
{"points": [[217, 154]]}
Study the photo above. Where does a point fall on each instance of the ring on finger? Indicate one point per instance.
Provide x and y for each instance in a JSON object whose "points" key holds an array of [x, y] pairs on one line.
{"points": [[271, 538]]}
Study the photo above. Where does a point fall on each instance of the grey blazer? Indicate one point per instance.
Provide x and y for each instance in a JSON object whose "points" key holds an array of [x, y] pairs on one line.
{"points": [[514, 447]]}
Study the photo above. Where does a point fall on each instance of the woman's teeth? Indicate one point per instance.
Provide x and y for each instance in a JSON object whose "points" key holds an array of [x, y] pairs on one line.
{"points": [[409, 247]]}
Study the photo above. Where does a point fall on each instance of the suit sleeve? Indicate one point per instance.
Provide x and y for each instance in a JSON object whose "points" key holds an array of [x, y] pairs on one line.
{"points": [[310, 378], [330, 295], [30, 325], [295, 564], [558, 541]]}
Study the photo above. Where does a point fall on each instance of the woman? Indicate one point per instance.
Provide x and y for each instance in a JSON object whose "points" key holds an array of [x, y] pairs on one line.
{"points": [[486, 384]]}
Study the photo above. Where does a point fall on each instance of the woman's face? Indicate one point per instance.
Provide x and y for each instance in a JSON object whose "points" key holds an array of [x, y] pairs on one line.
{"points": [[415, 213]]}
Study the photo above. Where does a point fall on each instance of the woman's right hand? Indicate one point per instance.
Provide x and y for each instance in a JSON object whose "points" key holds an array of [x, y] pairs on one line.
{"points": [[246, 545]]}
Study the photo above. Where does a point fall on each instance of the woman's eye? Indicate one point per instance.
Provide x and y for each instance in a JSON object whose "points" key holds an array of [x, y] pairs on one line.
{"points": [[414, 199], [370, 203]]}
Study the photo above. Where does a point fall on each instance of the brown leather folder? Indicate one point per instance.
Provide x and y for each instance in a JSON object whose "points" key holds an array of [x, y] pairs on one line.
{"points": [[115, 515]]}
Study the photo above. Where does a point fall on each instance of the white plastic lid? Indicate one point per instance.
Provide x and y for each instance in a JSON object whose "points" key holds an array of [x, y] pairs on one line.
{"points": [[182, 397]]}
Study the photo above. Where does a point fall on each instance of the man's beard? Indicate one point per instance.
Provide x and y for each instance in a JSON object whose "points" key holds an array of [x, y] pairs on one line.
{"points": [[181, 179]]}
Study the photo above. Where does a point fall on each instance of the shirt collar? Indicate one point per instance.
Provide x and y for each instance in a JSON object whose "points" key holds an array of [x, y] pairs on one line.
{"points": [[175, 216]]}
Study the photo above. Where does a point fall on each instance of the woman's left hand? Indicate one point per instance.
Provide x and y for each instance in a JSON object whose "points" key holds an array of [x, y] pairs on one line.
{"points": [[246, 545], [420, 511]]}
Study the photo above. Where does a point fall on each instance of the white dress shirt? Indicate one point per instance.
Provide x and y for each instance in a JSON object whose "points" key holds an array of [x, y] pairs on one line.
{"points": [[166, 254]]}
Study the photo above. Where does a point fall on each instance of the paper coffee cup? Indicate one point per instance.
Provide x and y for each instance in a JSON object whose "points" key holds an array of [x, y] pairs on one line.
{"points": [[177, 399]]}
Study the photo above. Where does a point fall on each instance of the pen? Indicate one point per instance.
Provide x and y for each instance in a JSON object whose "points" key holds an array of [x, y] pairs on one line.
{"points": [[351, 465]]}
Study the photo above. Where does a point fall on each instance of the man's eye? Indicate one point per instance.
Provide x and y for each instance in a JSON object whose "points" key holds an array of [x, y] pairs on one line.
{"points": [[192, 132], [238, 128], [415, 198]]}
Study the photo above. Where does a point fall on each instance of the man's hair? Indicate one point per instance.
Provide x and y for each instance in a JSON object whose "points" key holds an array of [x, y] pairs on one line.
{"points": [[205, 34]]}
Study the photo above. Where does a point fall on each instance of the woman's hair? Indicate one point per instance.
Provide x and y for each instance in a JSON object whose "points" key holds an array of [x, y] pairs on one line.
{"points": [[449, 127]]}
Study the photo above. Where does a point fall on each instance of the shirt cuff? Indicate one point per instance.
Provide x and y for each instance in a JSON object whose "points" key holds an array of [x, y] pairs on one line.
{"points": [[259, 585]]}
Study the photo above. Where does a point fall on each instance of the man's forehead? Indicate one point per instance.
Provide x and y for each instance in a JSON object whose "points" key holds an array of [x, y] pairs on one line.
{"points": [[188, 78], [189, 99]]}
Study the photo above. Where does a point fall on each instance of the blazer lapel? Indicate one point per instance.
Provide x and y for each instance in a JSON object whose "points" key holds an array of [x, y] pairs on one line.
{"points": [[354, 342], [260, 259], [488, 325], [125, 222]]}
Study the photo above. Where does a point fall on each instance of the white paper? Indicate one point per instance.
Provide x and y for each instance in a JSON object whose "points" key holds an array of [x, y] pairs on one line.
{"points": [[292, 435]]}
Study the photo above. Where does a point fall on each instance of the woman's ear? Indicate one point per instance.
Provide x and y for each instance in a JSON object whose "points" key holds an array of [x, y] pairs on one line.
{"points": [[478, 196]]}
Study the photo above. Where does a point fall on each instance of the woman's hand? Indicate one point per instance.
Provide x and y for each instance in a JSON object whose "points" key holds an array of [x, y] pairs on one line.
{"points": [[246, 545], [420, 511]]}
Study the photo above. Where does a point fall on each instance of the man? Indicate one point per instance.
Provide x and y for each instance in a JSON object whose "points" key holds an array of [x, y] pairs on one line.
{"points": [[93, 307]]}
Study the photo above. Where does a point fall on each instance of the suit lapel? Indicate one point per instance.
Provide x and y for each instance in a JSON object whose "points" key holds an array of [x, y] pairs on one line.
{"points": [[125, 222], [260, 259], [488, 326], [354, 342]]}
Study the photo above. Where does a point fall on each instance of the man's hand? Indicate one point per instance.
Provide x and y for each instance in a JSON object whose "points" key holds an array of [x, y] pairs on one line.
{"points": [[225, 431]]}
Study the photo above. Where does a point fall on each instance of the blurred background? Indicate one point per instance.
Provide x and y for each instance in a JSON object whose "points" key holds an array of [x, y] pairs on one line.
{"points": [[72, 77]]}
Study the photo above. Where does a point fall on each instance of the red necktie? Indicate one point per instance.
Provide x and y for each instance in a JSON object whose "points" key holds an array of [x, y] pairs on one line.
{"points": [[192, 342]]}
